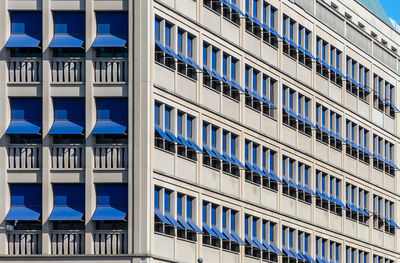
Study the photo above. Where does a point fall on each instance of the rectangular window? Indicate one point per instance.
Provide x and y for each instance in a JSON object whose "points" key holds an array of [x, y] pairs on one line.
{"points": [[168, 34]]}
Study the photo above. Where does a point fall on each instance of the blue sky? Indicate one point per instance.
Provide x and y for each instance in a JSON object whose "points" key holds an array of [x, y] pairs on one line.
{"points": [[392, 9]]}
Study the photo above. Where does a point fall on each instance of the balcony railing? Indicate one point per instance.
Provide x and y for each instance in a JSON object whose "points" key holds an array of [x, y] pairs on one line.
{"points": [[67, 156], [67, 70], [24, 242], [110, 242], [67, 242], [23, 70], [110, 70], [110, 156], [24, 156]]}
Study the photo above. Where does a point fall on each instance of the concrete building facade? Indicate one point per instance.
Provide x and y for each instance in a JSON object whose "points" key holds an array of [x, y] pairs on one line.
{"points": [[179, 130]]}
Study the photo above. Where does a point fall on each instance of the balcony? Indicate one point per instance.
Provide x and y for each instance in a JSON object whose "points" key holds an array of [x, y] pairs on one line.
{"points": [[67, 70], [110, 156], [67, 156], [67, 242], [24, 70], [110, 242], [110, 70], [24, 242], [24, 156]]}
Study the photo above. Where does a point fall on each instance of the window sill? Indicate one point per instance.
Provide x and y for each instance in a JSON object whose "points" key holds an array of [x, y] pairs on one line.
{"points": [[270, 189], [304, 65], [253, 183], [322, 208], [305, 134], [322, 142], [212, 168], [187, 240]]}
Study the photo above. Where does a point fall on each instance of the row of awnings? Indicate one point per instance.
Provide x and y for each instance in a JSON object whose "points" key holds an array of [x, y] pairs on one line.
{"points": [[335, 135], [69, 30], [225, 80], [69, 116], [69, 202]]}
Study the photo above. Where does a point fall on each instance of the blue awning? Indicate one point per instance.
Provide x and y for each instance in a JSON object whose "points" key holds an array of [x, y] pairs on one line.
{"points": [[162, 217], [26, 30], [209, 230], [184, 223], [112, 116], [26, 116], [194, 226], [250, 241], [237, 237], [112, 29], [69, 202], [67, 213], [69, 30], [69, 116], [229, 236], [26, 202], [277, 250], [112, 202], [239, 163], [195, 146]]}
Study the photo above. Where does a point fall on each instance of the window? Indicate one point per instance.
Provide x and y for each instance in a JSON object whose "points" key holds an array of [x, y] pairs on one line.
{"points": [[289, 176], [303, 180], [165, 136], [212, 234], [252, 81], [321, 117], [182, 59], [321, 188], [321, 248], [357, 210], [304, 108], [382, 150], [379, 222], [228, 9], [335, 122], [269, 33], [268, 94], [304, 36], [357, 79], [229, 219], [363, 80], [335, 69], [220, 149], [289, 116], [253, 18], [213, 59], [351, 139], [260, 89], [268, 168], [322, 49], [268, 240], [289, 46], [164, 222], [363, 145], [390, 109], [252, 162]]}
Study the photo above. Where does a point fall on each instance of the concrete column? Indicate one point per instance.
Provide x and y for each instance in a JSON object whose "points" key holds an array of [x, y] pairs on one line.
{"points": [[90, 115], [47, 194], [4, 116], [139, 177]]}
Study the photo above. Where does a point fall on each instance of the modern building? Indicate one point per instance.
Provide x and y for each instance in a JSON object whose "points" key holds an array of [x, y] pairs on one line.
{"points": [[215, 131]]}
